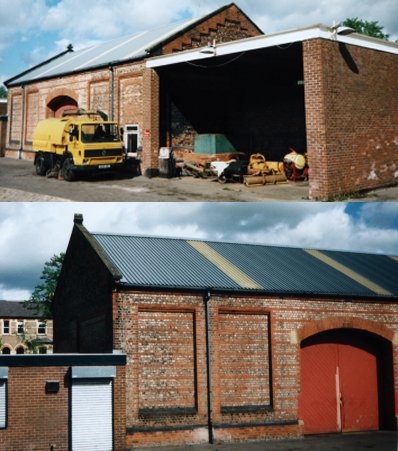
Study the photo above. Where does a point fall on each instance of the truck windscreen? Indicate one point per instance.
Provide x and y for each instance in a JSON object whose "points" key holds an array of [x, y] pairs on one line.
{"points": [[99, 133]]}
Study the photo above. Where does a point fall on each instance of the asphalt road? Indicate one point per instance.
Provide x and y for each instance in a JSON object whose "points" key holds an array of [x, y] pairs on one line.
{"points": [[364, 441]]}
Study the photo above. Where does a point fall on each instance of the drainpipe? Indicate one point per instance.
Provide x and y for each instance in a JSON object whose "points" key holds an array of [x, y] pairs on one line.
{"points": [[112, 109], [22, 123], [206, 299]]}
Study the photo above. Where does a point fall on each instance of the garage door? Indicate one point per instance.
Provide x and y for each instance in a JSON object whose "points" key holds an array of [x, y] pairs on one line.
{"points": [[338, 388], [91, 413]]}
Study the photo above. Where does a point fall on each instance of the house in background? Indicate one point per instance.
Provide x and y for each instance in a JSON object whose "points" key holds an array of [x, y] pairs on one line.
{"points": [[22, 331], [228, 341]]}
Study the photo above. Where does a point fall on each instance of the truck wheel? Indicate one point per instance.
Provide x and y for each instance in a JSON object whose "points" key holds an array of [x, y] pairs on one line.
{"points": [[68, 172], [41, 168]]}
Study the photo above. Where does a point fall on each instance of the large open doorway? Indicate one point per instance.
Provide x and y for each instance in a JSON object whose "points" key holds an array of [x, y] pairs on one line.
{"points": [[346, 382], [255, 99]]}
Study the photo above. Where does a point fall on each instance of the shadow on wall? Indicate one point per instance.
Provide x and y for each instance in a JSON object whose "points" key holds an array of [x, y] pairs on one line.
{"points": [[348, 58]]}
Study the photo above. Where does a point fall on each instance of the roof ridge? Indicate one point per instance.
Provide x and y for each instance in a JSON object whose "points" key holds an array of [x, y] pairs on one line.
{"points": [[283, 246]]}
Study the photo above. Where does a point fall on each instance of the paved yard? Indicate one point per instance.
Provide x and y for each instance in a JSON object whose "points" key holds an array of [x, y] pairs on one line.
{"points": [[18, 182], [365, 441]]}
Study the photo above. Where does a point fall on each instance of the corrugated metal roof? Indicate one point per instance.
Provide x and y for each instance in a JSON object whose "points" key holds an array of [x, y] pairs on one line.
{"points": [[176, 263], [161, 262], [114, 51]]}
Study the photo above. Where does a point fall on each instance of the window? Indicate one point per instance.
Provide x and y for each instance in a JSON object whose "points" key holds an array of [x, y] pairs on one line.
{"points": [[6, 327], [98, 133], [20, 350], [42, 350], [20, 328], [41, 328], [6, 350]]}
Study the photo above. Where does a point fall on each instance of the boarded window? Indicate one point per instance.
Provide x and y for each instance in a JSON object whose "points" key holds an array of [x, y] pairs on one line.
{"points": [[244, 360], [167, 361]]}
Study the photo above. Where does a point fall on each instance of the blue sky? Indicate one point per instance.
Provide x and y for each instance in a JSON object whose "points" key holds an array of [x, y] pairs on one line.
{"points": [[31, 233], [33, 30]]}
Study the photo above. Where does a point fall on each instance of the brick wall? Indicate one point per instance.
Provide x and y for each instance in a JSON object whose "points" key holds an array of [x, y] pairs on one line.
{"points": [[82, 309], [35, 420], [227, 25], [352, 117], [255, 361], [39, 421]]}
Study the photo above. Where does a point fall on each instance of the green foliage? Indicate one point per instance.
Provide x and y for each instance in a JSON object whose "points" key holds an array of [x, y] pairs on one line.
{"points": [[3, 92], [43, 294], [365, 27]]}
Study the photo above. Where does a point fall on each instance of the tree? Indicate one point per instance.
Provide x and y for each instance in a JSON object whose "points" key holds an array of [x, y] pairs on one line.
{"points": [[3, 92], [365, 27], [43, 294]]}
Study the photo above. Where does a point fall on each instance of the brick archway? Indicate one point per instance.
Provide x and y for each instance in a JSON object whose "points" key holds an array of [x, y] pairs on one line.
{"points": [[60, 100], [344, 323]]}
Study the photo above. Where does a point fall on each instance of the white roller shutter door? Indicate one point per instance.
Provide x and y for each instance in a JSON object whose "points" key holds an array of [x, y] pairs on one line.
{"points": [[92, 415], [3, 403]]}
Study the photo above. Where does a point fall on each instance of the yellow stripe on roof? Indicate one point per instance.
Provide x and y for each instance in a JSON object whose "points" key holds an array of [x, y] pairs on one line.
{"points": [[348, 272], [229, 269]]}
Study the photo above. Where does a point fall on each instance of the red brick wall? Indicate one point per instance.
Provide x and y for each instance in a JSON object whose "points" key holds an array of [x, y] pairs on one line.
{"points": [[36, 420], [352, 117], [228, 25], [260, 406]]}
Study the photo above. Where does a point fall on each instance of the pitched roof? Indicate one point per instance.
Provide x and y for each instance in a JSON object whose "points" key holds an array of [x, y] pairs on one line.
{"points": [[194, 264], [133, 47], [16, 309]]}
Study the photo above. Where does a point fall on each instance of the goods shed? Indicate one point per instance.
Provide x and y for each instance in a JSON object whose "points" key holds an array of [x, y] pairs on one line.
{"points": [[228, 341], [318, 90], [329, 95]]}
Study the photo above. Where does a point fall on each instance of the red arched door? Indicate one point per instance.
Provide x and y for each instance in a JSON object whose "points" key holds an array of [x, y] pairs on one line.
{"points": [[340, 387]]}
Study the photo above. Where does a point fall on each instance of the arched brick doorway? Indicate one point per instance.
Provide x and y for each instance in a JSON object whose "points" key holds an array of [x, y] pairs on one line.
{"points": [[57, 105], [347, 382]]}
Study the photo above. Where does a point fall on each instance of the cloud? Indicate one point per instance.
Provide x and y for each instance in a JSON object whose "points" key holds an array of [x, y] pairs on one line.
{"points": [[105, 19], [31, 233]]}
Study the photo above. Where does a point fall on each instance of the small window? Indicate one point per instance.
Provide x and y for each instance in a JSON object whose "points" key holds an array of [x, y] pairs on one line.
{"points": [[6, 327], [20, 328], [20, 350], [42, 350], [6, 350], [41, 328]]}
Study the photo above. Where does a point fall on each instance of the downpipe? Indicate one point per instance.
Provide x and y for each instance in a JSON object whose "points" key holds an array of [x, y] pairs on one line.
{"points": [[206, 300]]}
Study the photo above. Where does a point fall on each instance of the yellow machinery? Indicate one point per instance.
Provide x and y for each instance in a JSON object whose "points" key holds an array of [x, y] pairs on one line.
{"points": [[78, 141]]}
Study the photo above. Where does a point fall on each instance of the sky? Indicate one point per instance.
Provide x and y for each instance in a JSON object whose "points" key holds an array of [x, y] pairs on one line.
{"points": [[31, 233], [33, 30]]}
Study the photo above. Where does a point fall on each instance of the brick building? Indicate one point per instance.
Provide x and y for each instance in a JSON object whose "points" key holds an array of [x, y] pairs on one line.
{"points": [[62, 402], [23, 331], [232, 341], [113, 77], [313, 89]]}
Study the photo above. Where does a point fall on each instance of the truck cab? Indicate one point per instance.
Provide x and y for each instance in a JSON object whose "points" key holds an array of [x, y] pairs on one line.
{"points": [[80, 141]]}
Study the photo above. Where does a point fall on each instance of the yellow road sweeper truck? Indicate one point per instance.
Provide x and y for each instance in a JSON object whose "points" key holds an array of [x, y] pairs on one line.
{"points": [[79, 141]]}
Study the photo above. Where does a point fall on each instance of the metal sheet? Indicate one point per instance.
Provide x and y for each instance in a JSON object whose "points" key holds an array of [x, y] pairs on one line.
{"points": [[116, 50], [168, 262], [242, 279], [162, 262], [347, 271]]}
